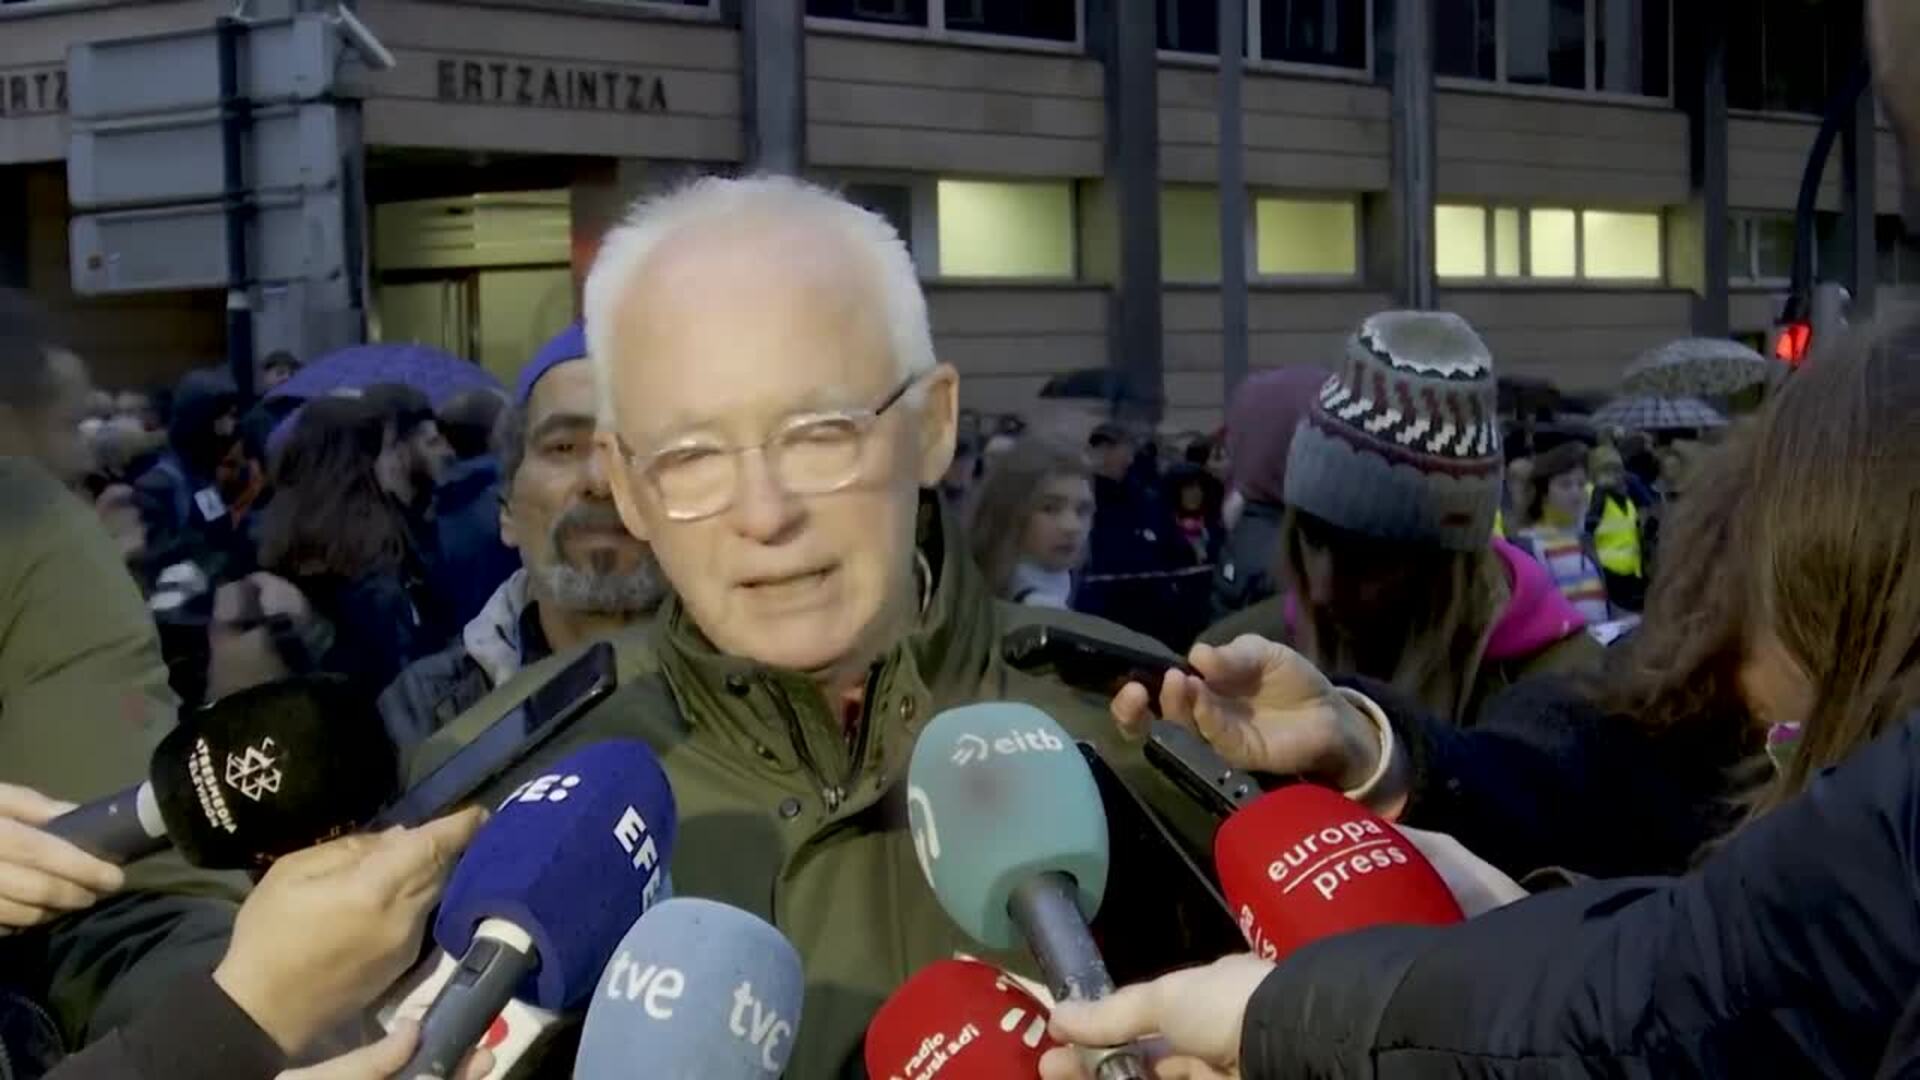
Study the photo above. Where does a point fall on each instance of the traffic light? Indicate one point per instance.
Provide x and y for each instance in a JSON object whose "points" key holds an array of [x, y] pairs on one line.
{"points": [[1806, 320]]}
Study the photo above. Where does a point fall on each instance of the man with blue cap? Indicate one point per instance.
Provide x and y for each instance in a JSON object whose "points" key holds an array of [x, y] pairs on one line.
{"points": [[582, 574]]}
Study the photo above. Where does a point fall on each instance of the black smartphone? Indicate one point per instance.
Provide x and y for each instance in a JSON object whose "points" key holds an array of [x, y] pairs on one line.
{"points": [[1161, 911], [509, 740], [1087, 663], [1100, 667]]}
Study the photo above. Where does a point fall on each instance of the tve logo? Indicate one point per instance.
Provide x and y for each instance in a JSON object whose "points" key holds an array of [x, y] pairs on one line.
{"points": [[766, 1028], [655, 987], [970, 748], [634, 838], [553, 787]]}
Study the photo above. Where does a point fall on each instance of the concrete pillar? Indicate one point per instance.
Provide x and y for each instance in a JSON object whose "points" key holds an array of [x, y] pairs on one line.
{"points": [[1414, 177], [774, 75], [1125, 42], [1700, 256], [1233, 200]]}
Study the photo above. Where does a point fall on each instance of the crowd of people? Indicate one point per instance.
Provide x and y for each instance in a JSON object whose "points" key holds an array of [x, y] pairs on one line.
{"points": [[1655, 691]]}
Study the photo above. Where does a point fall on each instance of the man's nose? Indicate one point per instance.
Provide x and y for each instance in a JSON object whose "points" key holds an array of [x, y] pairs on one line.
{"points": [[593, 479], [763, 509]]}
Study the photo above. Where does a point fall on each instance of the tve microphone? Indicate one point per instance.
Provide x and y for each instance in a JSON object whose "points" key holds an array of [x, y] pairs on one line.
{"points": [[697, 990], [1011, 834], [959, 1020], [544, 892], [251, 777], [1305, 862]]}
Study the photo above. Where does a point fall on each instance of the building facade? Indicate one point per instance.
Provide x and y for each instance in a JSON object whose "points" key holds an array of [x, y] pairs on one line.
{"points": [[1590, 167]]}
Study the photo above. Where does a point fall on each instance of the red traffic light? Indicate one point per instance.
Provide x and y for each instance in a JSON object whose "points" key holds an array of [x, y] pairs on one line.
{"points": [[1791, 342]]}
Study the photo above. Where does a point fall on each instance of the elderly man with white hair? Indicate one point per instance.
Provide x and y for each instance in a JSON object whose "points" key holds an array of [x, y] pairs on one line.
{"points": [[774, 422]]}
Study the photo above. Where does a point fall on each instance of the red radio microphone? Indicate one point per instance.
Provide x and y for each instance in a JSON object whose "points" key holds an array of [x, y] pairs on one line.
{"points": [[1305, 862], [957, 1020]]}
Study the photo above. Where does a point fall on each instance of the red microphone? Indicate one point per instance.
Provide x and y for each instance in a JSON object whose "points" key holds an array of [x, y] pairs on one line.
{"points": [[958, 1020], [1305, 862]]}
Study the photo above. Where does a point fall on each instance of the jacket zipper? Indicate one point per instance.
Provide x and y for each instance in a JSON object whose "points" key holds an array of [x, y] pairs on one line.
{"points": [[832, 795]]}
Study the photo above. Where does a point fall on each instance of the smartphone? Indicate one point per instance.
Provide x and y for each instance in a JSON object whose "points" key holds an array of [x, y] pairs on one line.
{"points": [[1099, 667], [546, 712], [1087, 663], [1161, 910]]}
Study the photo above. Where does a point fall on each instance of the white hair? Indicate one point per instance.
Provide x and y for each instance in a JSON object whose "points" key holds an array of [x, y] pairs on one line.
{"points": [[712, 200]]}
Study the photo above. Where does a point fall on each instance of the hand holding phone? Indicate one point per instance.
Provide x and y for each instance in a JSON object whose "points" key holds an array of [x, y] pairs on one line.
{"points": [[1265, 708]]}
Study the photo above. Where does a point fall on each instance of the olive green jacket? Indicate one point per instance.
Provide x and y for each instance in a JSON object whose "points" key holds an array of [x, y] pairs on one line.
{"points": [[778, 815], [83, 701]]}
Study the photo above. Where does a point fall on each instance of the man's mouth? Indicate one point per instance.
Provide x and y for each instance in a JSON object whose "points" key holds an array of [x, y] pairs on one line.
{"points": [[778, 585]]}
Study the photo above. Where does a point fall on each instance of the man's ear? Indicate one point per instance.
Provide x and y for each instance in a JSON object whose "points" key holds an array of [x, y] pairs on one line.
{"points": [[939, 423], [613, 465], [508, 534]]}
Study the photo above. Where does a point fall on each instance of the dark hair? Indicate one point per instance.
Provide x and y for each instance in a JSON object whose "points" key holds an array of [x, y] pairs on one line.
{"points": [[27, 343], [404, 407], [329, 514], [510, 444], [468, 420], [280, 358], [1805, 528], [1548, 464]]}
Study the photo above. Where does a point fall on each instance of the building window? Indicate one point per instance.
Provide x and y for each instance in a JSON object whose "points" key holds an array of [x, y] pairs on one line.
{"points": [[1548, 243], [1789, 55], [1316, 33], [1760, 246], [1190, 234], [1005, 229], [1607, 46], [893, 202], [1041, 20], [1298, 237]]}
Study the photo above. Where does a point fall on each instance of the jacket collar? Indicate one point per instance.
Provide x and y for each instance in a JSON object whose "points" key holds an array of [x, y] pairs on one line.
{"points": [[493, 637]]}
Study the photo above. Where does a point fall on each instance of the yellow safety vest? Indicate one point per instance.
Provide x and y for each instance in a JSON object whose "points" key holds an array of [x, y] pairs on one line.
{"points": [[1616, 539]]}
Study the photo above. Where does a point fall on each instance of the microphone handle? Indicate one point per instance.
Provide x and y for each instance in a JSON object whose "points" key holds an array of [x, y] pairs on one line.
{"points": [[120, 828], [499, 957], [1046, 908]]}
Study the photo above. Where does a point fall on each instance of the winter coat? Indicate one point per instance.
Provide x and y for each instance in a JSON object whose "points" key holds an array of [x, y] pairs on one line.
{"points": [[468, 561], [780, 816], [501, 639], [83, 700], [1536, 631], [1547, 778], [1792, 952], [1141, 572], [192, 1032], [1244, 576]]}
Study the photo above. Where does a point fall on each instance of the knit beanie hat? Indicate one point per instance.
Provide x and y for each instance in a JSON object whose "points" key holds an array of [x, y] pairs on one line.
{"points": [[1266, 409], [568, 344], [1403, 442]]}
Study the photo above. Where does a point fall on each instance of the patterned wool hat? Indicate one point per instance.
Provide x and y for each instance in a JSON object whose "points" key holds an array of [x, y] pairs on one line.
{"points": [[1403, 443]]}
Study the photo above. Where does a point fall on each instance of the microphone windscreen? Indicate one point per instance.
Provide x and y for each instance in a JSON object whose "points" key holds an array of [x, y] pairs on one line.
{"points": [[273, 769], [572, 858], [960, 1020], [697, 990], [997, 793], [1305, 862]]}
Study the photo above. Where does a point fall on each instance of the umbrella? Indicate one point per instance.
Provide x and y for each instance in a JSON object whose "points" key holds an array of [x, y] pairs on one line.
{"points": [[1697, 367], [1085, 384], [1658, 414], [434, 373]]}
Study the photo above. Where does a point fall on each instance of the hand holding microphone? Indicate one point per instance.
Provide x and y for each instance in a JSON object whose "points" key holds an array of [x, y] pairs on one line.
{"points": [[328, 928], [1265, 708], [1194, 1015], [41, 875]]}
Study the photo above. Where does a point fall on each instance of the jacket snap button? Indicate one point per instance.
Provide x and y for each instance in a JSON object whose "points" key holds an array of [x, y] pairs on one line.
{"points": [[908, 709], [764, 751], [790, 808], [737, 685]]}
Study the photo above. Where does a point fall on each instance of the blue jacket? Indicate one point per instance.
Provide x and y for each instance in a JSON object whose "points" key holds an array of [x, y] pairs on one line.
{"points": [[468, 561], [1793, 951]]}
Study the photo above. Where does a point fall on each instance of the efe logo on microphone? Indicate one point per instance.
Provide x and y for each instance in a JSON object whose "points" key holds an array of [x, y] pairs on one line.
{"points": [[553, 787], [970, 747]]}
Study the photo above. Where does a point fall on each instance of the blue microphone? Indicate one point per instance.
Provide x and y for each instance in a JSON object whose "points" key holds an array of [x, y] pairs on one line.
{"points": [[541, 897], [697, 990], [1012, 835]]}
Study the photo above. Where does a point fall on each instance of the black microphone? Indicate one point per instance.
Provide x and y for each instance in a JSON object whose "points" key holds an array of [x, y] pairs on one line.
{"points": [[253, 776]]}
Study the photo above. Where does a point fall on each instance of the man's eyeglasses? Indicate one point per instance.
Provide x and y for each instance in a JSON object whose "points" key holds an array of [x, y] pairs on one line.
{"points": [[809, 454]]}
